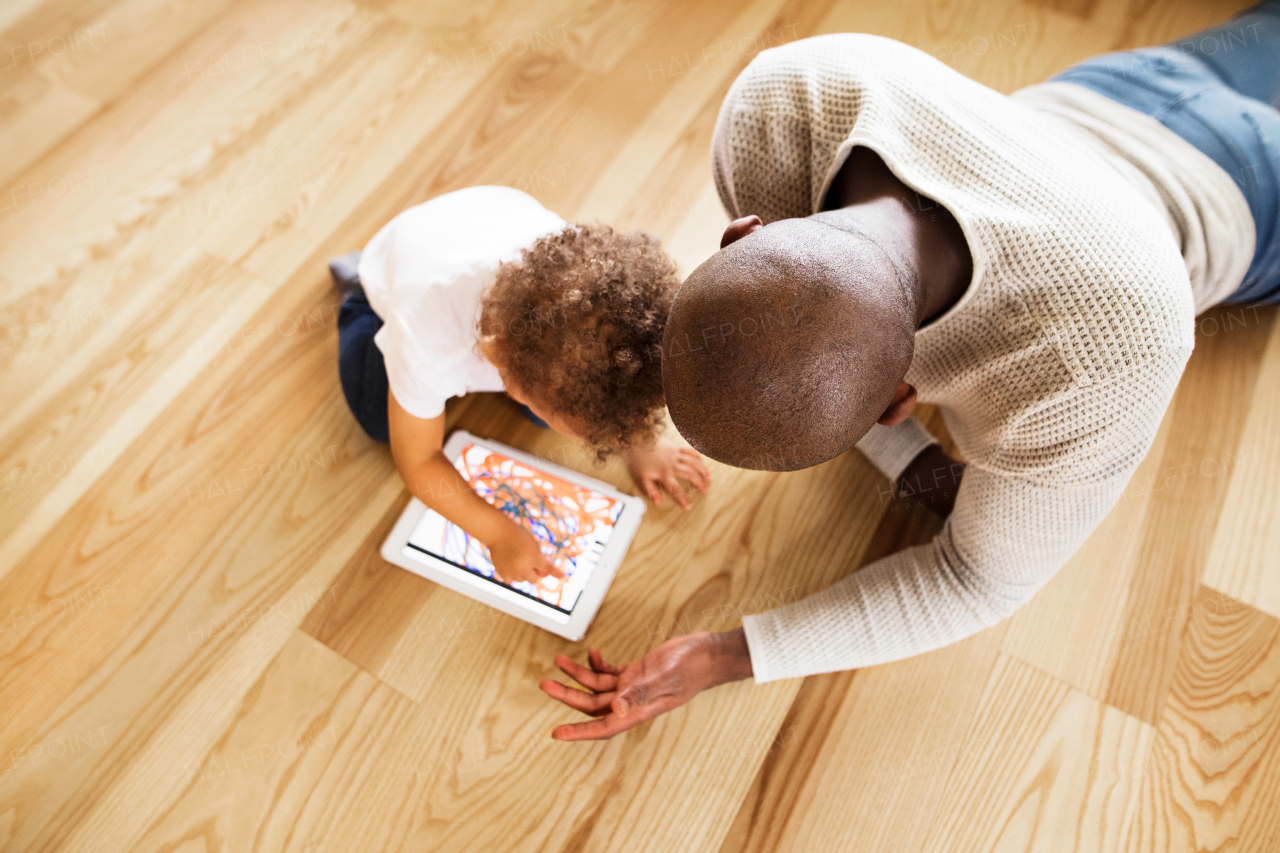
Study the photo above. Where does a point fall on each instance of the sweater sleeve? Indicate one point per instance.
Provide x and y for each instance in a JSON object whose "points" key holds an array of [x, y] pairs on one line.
{"points": [[892, 448], [1007, 536], [1003, 541]]}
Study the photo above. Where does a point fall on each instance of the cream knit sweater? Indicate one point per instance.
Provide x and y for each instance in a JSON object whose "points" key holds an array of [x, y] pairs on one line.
{"points": [[1054, 368]]}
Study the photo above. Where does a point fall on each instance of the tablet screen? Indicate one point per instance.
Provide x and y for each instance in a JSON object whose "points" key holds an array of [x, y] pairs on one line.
{"points": [[572, 522]]}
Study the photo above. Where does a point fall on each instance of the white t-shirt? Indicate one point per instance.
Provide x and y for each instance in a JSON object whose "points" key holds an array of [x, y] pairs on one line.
{"points": [[424, 274]]}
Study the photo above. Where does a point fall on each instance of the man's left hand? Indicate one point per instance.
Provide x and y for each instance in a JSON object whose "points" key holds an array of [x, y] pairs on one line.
{"points": [[620, 697]]}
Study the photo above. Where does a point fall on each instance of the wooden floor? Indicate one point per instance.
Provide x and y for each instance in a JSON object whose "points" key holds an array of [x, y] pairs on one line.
{"points": [[200, 648]]}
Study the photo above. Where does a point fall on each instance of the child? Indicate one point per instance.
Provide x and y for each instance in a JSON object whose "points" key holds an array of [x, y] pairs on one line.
{"points": [[484, 289]]}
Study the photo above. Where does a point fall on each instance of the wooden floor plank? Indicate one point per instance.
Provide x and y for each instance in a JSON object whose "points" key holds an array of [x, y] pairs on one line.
{"points": [[1185, 508], [135, 35], [100, 252], [303, 723], [693, 84], [1044, 767], [60, 449], [835, 747], [1244, 558], [189, 516], [181, 586], [1213, 778], [36, 115]]}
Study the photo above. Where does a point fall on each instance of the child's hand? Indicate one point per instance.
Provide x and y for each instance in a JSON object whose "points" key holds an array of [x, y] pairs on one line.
{"points": [[518, 557], [662, 465]]}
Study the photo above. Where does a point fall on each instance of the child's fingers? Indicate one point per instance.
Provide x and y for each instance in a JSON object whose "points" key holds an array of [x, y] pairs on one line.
{"points": [[695, 458], [655, 493], [673, 485], [692, 462], [697, 478]]}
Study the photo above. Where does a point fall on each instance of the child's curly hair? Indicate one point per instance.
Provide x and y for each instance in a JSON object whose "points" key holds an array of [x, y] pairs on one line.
{"points": [[578, 321]]}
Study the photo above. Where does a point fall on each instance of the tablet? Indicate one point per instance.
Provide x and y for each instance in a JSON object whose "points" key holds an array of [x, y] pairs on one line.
{"points": [[585, 527]]}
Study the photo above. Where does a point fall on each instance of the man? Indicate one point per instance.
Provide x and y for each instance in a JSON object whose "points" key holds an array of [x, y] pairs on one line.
{"points": [[1048, 313]]}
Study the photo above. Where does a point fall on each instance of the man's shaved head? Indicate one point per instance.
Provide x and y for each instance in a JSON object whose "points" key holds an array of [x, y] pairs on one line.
{"points": [[784, 348]]}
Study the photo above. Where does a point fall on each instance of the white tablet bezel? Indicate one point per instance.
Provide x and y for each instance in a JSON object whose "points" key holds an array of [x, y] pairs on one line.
{"points": [[396, 550]]}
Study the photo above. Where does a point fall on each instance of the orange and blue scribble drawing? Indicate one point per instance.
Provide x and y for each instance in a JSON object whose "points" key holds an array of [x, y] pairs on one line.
{"points": [[572, 522]]}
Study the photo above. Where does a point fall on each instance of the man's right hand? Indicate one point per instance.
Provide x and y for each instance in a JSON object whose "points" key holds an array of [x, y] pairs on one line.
{"points": [[517, 556], [932, 480]]}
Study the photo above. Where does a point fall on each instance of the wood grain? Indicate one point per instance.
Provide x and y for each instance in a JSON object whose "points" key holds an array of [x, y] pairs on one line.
{"points": [[1244, 558], [1046, 768], [1184, 507], [1210, 782], [200, 648]]}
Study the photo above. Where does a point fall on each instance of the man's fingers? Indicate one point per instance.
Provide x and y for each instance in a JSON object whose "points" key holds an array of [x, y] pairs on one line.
{"points": [[599, 665], [595, 704], [589, 678], [601, 728], [606, 727]]}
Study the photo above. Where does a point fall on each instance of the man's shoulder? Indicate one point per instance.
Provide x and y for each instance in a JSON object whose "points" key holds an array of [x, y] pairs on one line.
{"points": [[778, 79], [1055, 384], [839, 49], [1096, 327], [1114, 300]]}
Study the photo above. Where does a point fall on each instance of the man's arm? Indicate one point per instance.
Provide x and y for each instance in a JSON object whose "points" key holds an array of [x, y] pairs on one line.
{"points": [[1006, 536], [1004, 539]]}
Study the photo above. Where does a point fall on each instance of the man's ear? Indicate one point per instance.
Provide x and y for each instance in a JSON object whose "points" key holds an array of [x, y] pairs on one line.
{"points": [[901, 406], [740, 228]]}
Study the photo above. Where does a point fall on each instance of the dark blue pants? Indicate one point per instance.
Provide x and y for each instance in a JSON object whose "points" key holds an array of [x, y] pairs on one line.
{"points": [[363, 372], [360, 366], [1220, 90]]}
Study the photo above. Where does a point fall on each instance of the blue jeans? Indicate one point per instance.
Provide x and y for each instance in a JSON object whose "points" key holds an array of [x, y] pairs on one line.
{"points": [[363, 372], [361, 369], [1218, 89]]}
